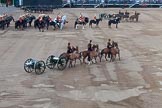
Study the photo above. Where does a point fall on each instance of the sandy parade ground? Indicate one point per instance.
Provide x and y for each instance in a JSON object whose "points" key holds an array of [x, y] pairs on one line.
{"points": [[133, 82]]}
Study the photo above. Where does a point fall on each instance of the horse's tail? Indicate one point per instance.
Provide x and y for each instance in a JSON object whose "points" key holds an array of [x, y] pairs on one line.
{"points": [[75, 24], [90, 24], [101, 54], [109, 23]]}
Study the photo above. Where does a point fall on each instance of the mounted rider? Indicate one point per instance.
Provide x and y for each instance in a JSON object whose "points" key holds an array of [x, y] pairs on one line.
{"points": [[109, 46], [126, 13], [81, 18], [69, 48], [58, 18], [95, 17]]}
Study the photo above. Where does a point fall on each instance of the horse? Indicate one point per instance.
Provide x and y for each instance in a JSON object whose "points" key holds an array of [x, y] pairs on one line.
{"points": [[74, 56], [114, 21], [83, 23], [20, 24], [113, 52], [67, 55], [6, 22], [41, 24], [60, 24], [135, 16], [126, 16], [94, 22], [92, 54]]}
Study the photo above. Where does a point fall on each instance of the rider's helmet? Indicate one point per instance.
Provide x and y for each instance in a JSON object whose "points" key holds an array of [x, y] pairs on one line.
{"points": [[90, 41]]}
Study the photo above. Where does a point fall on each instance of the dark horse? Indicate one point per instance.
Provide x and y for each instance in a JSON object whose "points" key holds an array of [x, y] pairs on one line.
{"points": [[94, 22], [112, 51], [86, 20], [114, 21], [41, 24], [24, 23], [92, 54], [6, 22]]}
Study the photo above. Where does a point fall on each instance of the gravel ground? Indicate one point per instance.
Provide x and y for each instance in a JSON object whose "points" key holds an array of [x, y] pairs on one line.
{"points": [[133, 82]]}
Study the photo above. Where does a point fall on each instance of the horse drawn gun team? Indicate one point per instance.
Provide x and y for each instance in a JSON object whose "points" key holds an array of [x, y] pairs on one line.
{"points": [[71, 55]]}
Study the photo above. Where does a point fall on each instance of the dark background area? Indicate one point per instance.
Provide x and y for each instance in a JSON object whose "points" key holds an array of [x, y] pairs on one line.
{"points": [[42, 2]]}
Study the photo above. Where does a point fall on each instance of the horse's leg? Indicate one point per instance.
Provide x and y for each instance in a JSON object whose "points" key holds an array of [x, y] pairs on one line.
{"points": [[106, 56], [117, 25], [75, 62], [96, 59], [101, 57], [80, 61], [119, 55], [83, 59], [83, 26]]}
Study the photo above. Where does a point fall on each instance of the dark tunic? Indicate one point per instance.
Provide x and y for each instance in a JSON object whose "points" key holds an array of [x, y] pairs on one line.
{"points": [[109, 45], [69, 49], [89, 47]]}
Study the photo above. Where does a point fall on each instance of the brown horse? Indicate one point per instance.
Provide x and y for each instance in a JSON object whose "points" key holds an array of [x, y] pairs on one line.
{"points": [[135, 16], [74, 56], [113, 52], [105, 51], [93, 54]]}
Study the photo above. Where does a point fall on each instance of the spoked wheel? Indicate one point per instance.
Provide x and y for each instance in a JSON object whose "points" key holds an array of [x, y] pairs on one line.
{"points": [[29, 65], [40, 67], [50, 63], [62, 63]]}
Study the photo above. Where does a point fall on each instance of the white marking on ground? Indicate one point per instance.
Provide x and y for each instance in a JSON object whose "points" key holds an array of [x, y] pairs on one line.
{"points": [[111, 69], [43, 99], [46, 105], [158, 73], [104, 93], [160, 82], [43, 86], [159, 54], [4, 93], [153, 50], [69, 86], [160, 88], [160, 68]]}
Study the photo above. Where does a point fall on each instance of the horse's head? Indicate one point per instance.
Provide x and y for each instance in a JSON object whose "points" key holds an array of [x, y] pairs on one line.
{"points": [[95, 46], [115, 44], [117, 19], [137, 14], [86, 19]]}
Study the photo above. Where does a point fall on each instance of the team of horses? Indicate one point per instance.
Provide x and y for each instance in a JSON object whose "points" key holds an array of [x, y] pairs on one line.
{"points": [[91, 56]]}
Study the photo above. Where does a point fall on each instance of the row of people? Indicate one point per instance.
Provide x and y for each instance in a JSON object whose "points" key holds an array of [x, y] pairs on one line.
{"points": [[110, 44]]}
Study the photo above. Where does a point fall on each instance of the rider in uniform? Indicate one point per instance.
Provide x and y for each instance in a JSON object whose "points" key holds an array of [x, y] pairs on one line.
{"points": [[95, 17], [69, 48], [58, 18], [81, 18], [89, 49], [109, 46], [126, 13]]}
